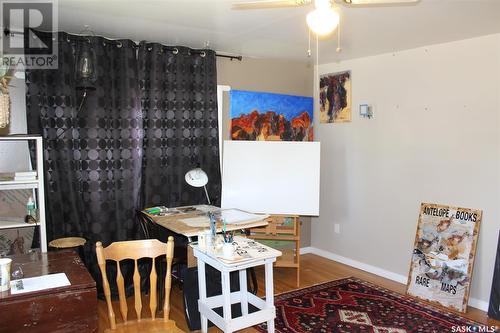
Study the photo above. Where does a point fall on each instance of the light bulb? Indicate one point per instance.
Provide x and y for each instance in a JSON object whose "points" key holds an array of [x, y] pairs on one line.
{"points": [[323, 21]]}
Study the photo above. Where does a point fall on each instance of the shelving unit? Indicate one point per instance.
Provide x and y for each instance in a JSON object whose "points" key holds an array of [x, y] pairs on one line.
{"points": [[38, 184], [278, 230]]}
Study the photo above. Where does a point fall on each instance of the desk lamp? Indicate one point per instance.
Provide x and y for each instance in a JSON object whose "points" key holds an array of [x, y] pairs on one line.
{"points": [[198, 178]]}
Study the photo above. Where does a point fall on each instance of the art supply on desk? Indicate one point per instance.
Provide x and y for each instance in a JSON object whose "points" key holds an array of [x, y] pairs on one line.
{"points": [[162, 211], [5, 273], [227, 235], [213, 223], [228, 250], [201, 239], [209, 240], [187, 209], [39, 283], [153, 210]]}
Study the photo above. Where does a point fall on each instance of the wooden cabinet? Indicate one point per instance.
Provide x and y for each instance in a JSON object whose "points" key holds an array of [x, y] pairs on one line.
{"points": [[282, 228], [64, 309]]}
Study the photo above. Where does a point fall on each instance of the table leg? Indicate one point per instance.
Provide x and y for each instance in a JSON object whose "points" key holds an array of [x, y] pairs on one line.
{"points": [[203, 293], [243, 292], [269, 293], [191, 259], [226, 295]]}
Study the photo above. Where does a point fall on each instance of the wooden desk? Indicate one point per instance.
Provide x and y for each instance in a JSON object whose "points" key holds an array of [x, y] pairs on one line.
{"points": [[66, 309], [174, 223]]}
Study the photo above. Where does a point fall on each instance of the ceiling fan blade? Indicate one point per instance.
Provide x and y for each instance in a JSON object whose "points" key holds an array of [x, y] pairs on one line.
{"points": [[378, 2], [269, 4]]}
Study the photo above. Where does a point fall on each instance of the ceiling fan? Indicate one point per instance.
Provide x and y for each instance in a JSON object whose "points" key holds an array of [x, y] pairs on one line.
{"points": [[322, 20]]}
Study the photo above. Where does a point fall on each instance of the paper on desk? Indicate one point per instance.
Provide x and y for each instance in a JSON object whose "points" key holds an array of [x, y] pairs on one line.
{"points": [[39, 283], [196, 222], [236, 216]]}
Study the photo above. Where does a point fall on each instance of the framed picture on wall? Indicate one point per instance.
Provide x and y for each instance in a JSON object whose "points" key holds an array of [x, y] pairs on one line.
{"points": [[262, 116], [335, 97], [443, 255]]}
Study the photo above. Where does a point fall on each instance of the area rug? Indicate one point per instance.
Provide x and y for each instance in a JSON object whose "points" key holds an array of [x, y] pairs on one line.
{"points": [[355, 306]]}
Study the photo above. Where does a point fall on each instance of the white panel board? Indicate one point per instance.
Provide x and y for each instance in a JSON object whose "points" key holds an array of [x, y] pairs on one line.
{"points": [[271, 177]]}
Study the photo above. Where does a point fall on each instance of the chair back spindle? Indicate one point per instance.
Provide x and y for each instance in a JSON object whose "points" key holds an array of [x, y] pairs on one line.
{"points": [[135, 250]]}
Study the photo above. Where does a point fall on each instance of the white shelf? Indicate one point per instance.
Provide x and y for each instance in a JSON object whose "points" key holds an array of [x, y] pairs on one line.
{"points": [[20, 137], [38, 183], [9, 223], [18, 184]]}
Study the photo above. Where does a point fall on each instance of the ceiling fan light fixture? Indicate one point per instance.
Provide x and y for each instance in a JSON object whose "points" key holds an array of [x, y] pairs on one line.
{"points": [[378, 2], [323, 21]]}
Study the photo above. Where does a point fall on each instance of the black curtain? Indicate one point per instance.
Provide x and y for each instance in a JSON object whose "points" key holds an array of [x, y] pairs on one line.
{"points": [[179, 103], [152, 117], [92, 155]]}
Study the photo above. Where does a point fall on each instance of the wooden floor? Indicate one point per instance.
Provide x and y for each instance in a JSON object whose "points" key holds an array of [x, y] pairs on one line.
{"points": [[314, 270]]}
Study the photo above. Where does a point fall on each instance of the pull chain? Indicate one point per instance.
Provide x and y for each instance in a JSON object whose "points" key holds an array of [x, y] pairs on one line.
{"points": [[339, 48], [317, 51], [309, 44]]}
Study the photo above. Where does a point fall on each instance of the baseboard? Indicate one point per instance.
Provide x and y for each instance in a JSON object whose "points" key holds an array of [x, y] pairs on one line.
{"points": [[306, 250], [473, 302], [357, 264], [478, 304]]}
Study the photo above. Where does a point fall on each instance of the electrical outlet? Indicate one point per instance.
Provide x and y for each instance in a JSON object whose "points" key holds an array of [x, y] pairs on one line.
{"points": [[336, 228]]}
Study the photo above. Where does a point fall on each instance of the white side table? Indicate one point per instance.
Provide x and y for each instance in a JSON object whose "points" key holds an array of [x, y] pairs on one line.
{"points": [[258, 255]]}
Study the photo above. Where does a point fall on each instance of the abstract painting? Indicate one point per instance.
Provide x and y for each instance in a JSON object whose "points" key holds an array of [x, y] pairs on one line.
{"points": [[260, 116], [335, 97], [443, 255]]}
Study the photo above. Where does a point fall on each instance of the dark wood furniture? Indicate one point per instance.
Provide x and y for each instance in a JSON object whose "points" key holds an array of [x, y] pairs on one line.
{"points": [[66, 309]]}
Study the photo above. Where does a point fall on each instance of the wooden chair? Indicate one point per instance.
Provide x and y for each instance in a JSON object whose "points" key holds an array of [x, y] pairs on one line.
{"points": [[148, 248]]}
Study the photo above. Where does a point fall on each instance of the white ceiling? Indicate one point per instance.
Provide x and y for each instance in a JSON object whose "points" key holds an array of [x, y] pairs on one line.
{"points": [[281, 33]]}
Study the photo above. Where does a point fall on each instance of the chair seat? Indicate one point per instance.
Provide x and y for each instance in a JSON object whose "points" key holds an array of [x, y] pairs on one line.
{"points": [[146, 325]]}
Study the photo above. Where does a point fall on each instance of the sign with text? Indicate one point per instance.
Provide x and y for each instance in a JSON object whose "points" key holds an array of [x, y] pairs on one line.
{"points": [[443, 255], [29, 37]]}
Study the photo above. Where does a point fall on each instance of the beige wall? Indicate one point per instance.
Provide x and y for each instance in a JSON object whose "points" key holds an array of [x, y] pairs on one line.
{"points": [[435, 138], [15, 155], [276, 76]]}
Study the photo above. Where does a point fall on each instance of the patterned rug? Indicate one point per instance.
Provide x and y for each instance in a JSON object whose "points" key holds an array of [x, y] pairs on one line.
{"points": [[355, 306]]}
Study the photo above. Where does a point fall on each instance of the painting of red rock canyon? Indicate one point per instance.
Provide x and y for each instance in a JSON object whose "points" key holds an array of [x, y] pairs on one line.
{"points": [[270, 117]]}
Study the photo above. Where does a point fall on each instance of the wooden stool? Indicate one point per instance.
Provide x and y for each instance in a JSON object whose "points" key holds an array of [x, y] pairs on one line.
{"points": [[75, 243], [67, 242]]}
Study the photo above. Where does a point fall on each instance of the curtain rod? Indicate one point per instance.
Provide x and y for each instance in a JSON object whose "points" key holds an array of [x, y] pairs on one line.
{"points": [[239, 58], [7, 32]]}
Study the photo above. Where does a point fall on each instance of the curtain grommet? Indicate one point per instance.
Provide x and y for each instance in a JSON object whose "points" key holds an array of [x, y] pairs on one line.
{"points": [[119, 44], [149, 48], [175, 51], [203, 54]]}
